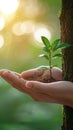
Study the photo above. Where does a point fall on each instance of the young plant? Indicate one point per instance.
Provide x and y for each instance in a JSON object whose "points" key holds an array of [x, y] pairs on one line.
{"points": [[52, 50]]}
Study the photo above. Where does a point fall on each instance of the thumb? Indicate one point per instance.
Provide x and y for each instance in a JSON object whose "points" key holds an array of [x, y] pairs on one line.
{"points": [[36, 85]]}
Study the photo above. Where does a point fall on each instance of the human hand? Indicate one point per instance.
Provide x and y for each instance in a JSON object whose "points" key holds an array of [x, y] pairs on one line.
{"points": [[56, 92], [42, 74], [37, 74]]}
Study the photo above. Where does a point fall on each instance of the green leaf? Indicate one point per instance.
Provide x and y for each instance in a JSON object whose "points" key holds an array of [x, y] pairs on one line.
{"points": [[63, 45], [44, 56], [45, 49], [55, 43], [46, 42], [58, 55]]}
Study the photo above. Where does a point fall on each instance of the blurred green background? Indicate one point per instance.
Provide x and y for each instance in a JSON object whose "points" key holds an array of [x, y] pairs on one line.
{"points": [[22, 22]]}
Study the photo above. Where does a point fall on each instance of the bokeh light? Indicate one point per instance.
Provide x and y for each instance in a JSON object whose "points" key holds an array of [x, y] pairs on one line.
{"points": [[28, 26], [2, 22], [32, 8], [21, 28], [8, 7], [42, 31], [16, 29], [1, 41]]}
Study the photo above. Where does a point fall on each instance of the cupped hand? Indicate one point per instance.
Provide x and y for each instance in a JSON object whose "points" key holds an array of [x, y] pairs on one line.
{"points": [[56, 92], [42, 74], [31, 82]]}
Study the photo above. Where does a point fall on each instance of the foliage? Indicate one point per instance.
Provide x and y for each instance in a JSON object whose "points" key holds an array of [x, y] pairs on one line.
{"points": [[51, 50]]}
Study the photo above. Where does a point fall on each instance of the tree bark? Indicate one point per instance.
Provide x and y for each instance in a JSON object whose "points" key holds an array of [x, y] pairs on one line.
{"points": [[66, 23]]}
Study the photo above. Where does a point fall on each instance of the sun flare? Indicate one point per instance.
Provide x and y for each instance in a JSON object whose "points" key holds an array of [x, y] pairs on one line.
{"points": [[42, 32], [8, 7]]}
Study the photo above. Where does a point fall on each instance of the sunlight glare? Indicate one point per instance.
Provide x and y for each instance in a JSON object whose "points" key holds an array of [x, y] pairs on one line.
{"points": [[42, 32], [8, 7], [2, 22], [1, 41]]}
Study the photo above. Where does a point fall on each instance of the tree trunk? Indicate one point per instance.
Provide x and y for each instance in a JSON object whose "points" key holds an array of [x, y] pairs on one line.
{"points": [[66, 22]]}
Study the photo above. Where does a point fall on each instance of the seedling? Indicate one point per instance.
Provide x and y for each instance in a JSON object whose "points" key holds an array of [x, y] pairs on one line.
{"points": [[52, 50]]}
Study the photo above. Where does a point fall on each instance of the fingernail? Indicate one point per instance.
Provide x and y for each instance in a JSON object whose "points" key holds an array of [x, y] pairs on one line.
{"points": [[29, 84]]}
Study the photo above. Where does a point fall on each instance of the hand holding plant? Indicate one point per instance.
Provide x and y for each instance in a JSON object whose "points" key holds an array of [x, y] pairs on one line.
{"points": [[52, 51]]}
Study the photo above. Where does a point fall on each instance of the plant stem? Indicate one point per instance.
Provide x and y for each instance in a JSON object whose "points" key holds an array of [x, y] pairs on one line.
{"points": [[50, 58], [50, 72]]}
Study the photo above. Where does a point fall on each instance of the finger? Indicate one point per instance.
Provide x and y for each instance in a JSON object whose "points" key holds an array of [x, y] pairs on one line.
{"points": [[34, 72], [55, 89], [42, 74], [35, 85], [2, 71], [46, 93], [57, 73], [36, 96], [42, 97], [31, 74], [61, 91], [4, 74], [5, 70], [15, 80]]}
